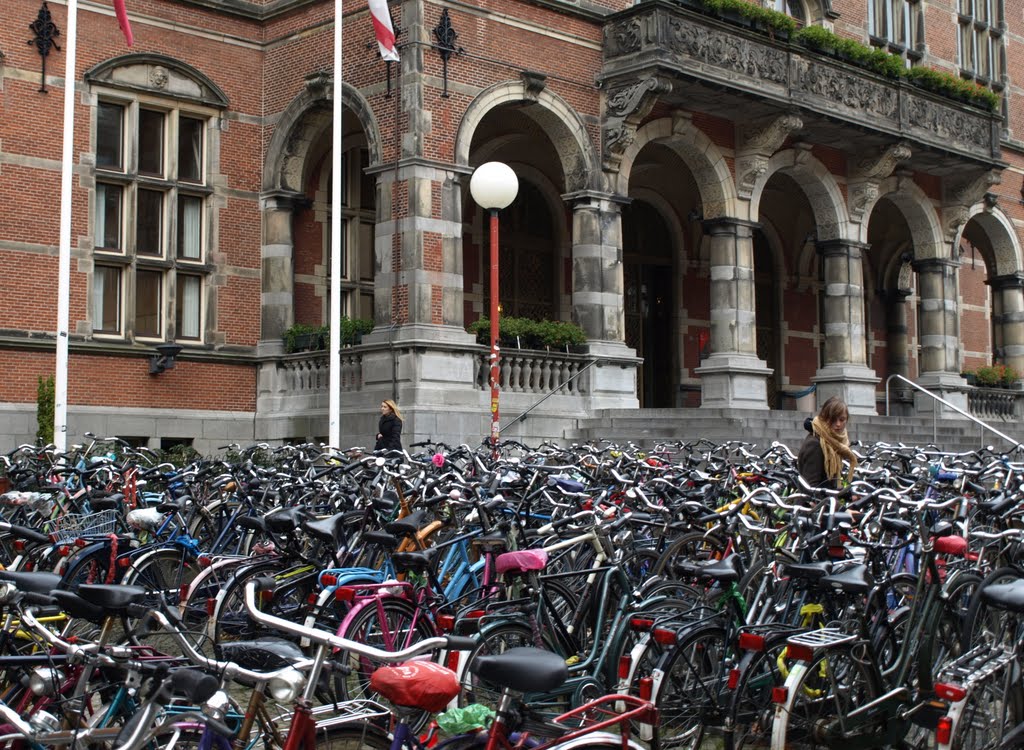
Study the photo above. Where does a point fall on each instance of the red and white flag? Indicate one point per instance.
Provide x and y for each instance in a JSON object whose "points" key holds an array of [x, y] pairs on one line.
{"points": [[122, 21], [383, 29]]}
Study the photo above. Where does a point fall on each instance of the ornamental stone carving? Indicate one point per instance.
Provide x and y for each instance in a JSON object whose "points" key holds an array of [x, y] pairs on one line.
{"points": [[626, 37], [947, 123], [756, 142], [961, 195], [846, 89], [729, 53], [866, 175], [626, 106]]}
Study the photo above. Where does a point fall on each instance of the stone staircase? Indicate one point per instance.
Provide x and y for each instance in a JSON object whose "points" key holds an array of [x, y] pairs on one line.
{"points": [[646, 427]]}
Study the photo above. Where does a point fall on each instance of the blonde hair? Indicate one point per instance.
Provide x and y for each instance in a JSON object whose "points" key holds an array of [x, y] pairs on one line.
{"points": [[393, 407]]}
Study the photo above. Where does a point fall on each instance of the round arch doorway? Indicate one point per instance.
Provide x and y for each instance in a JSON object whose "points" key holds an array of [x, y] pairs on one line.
{"points": [[648, 280]]}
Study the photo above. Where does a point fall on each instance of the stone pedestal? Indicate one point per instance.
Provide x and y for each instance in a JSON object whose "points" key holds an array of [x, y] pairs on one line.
{"points": [[735, 381], [947, 385], [854, 384]]}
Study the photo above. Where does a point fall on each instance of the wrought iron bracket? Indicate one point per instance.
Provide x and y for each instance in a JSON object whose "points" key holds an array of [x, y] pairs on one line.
{"points": [[46, 32], [446, 46]]}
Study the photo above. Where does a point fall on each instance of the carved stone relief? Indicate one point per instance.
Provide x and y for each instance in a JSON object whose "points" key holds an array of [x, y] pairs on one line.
{"points": [[756, 143], [868, 173], [948, 123], [847, 89], [728, 52], [625, 107], [960, 195]]}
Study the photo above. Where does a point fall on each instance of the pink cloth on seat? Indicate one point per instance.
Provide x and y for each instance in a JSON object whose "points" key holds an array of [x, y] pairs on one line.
{"points": [[521, 561]]}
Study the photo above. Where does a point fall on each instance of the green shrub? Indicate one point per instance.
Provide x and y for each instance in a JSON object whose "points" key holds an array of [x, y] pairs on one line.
{"points": [[771, 19], [45, 397], [304, 337], [872, 58], [947, 84], [529, 334]]}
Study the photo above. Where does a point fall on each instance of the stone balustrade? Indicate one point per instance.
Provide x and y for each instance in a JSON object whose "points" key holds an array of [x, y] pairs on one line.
{"points": [[995, 403], [535, 371]]}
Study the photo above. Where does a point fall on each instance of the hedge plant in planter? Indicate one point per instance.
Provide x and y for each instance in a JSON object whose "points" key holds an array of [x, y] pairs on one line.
{"points": [[303, 337], [523, 333]]}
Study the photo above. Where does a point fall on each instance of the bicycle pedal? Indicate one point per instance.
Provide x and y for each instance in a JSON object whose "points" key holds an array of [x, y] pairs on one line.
{"points": [[927, 716]]}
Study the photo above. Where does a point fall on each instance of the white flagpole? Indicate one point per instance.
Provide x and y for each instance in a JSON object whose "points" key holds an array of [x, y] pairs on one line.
{"points": [[60, 380], [334, 403]]}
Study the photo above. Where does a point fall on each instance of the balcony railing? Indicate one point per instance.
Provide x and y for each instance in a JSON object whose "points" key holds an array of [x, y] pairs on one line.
{"points": [[535, 371], [995, 403]]}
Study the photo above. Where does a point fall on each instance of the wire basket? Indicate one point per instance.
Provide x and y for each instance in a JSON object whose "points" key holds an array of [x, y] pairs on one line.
{"points": [[76, 525]]}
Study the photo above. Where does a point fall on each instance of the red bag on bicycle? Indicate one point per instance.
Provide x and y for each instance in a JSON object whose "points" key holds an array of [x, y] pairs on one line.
{"points": [[416, 684]]}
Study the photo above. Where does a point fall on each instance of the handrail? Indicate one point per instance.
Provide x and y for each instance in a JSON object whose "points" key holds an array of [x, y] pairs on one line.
{"points": [[552, 392], [944, 402]]}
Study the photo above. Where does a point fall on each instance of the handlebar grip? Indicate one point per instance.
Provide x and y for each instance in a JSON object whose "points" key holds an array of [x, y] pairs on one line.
{"points": [[195, 685], [460, 643], [265, 583]]}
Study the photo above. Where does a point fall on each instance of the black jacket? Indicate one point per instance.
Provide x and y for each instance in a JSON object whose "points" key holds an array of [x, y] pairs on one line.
{"points": [[390, 429], [810, 461]]}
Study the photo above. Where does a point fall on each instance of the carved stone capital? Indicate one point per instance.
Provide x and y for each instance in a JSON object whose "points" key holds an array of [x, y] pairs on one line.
{"points": [[862, 194], [766, 136], [534, 83], [749, 170], [880, 164], [625, 107], [961, 194]]}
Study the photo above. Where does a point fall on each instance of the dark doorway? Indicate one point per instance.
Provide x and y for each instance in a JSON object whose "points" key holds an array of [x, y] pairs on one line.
{"points": [[648, 292], [766, 315]]}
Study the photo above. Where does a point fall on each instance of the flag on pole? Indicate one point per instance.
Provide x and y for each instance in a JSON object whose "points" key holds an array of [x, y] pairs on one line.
{"points": [[383, 29], [122, 21]]}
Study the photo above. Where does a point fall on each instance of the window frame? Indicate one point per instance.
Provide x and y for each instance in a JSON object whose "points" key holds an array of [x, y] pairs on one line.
{"points": [[985, 35], [130, 257]]}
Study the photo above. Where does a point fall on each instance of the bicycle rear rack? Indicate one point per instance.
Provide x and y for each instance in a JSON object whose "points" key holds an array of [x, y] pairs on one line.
{"points": [[823, 638], [977, 664]]}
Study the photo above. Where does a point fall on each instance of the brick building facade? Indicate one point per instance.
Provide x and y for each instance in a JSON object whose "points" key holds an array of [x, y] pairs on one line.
{"points": [[732, 213]]}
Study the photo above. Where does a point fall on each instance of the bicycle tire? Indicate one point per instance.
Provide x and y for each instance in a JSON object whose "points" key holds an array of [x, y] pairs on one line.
{"points": [[981, 624], [494, 639], [693, 546], [751, 710], [819, 694], [361, 737], [986, 715], [162, 572], [691, 683], [389, 623]]}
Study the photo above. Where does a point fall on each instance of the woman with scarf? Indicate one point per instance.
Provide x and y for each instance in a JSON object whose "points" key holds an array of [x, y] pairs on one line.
{"points": [[389, 428], [820, 460]]}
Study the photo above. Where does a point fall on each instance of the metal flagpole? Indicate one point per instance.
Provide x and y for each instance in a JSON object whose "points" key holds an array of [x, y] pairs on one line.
{"points": [[60, 380], [334, 363]]}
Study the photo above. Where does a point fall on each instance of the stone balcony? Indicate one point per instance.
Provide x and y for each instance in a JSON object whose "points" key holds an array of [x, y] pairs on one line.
{"points": [[668, 53]]}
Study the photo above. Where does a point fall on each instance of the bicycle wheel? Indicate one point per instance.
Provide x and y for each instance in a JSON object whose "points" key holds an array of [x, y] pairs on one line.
{"points": [[352, 737], [991, 710], [694, 546], [387, 623], [691, 686], [985, 625], [820, 695], [750, 712], [495, 639], [162, 572]]}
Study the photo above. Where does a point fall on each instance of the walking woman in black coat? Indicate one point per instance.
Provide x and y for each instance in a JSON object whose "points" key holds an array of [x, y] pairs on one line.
{"points": [[389, 429]]}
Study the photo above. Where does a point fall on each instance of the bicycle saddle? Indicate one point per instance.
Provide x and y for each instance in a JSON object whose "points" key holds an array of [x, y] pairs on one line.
{"points": [[410, 562], [327, 529], [523, 669], [724, 571], [1008, 596], [34, 582], [416, 684], [262, 654], [813, 571], [854, 579]]}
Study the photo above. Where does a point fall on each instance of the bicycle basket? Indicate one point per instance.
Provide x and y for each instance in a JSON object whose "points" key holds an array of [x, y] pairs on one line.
{"points": [[75, 525]]}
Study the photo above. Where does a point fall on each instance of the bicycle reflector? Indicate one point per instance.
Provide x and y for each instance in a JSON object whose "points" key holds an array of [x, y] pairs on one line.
{"points": [[944, 730], [625, 662], [345, 594], [328, 579], [751, 642], [780, 694], [664, 637], [799, 652], [641, 623], [205, 561], [183, 592], [734, 678], [446, 623], [646, 689], [951, 693]]}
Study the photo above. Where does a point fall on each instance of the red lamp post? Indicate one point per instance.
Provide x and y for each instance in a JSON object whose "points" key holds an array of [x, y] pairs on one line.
{"points": [[494, 186]]}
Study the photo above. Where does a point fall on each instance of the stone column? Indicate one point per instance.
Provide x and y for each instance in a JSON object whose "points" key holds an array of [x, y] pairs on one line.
{"points": [[597, 294], [277, 297], [732, 376], [845, 372], [897, 332], [1008, 319], [939, 334]]}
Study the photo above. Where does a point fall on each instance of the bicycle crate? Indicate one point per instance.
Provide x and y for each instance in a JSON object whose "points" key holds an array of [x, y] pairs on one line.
{"points": [[76, 525]]}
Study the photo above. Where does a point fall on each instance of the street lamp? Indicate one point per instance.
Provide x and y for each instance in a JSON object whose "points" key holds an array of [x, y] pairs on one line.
{"points": [[494, 186]]}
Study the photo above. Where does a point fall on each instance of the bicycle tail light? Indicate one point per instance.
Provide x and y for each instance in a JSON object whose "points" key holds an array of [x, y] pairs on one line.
{"points": [[751, 642], [664, 637], [951, 693], [799, 652], [944, 731]]}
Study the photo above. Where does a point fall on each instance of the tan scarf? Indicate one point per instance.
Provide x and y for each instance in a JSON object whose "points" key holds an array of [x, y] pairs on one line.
{"points": [[835, 446]]}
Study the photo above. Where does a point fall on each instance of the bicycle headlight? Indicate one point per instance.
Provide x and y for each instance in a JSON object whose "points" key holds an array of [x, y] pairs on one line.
{"points": [[286, 686], [217, 705], [44, 680]]}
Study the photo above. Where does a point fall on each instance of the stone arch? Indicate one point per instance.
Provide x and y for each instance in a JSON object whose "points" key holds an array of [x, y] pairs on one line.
{"points": [[704, 159], [554, 116], [919, 213], [998, 229], [305, 119], [819, 186], [153, 73]]}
